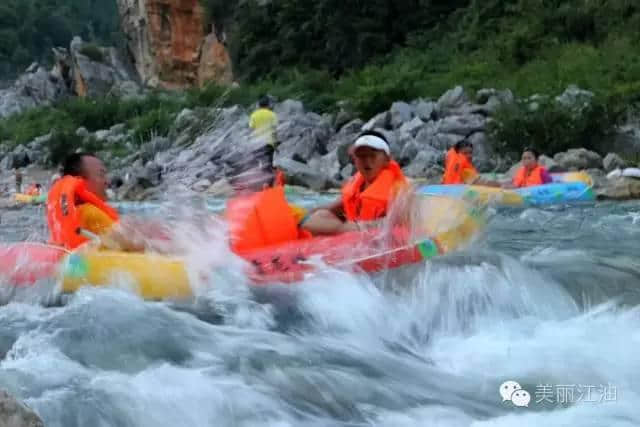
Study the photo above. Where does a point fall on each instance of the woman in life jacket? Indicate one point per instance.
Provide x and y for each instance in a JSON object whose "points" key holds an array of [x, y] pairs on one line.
{"points": [[531, 172], [459, 169], [367, 197]]}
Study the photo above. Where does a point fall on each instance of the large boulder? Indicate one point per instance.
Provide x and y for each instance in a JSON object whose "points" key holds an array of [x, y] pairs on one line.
{"points": [[578, 159], [426, 110], [613, 161], [424, 162], [452, 100], [380, 121], [401, 113], [16, 414], [462, 125], [620, 188], [341, 141]]}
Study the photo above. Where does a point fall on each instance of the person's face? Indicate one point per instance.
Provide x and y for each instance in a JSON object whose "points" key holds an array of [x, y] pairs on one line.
{"points": [[467, 152], [370, 162], [95, 172], [528, 160]]}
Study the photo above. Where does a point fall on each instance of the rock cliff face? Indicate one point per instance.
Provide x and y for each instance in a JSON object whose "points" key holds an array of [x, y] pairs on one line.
{"points": [[169, 44]]}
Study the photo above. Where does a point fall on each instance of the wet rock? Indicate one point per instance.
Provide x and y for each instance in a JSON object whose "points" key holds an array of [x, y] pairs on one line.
{"points": [[613, 161], [577, 159], [621, 188], [16, 414]]}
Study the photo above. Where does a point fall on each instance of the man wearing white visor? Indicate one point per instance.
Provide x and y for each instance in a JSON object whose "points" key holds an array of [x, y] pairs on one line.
{"points": [[367, 196]]}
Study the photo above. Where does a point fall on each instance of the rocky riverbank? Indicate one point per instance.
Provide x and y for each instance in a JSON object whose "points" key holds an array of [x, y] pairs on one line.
{"points": [[204, 145]]}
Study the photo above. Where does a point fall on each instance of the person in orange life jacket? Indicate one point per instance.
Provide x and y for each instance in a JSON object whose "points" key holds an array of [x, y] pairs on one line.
{"points": [[459, 169], [366, 198], [531, 172], [258, 213], [78, 201]]}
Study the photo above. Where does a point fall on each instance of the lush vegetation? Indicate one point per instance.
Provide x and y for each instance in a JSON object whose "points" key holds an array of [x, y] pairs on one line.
{"points": [[366, 55], [30, 28]]}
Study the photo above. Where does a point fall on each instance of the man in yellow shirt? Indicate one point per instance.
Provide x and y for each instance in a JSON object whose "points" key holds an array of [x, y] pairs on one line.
{"points": [[264, 122]]}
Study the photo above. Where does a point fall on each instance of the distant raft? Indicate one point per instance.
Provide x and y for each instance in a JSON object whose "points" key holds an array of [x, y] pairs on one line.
{"points": [[30, 199], [570, 187]]}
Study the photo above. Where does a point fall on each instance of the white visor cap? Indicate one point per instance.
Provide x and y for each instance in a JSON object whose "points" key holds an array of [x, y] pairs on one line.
{"points": [[374, 142]]}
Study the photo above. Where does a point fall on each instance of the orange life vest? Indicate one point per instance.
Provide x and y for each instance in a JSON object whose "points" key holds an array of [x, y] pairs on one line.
{"points": [[524, 178], [62, 212], [372, 203], [261, 219], [454, 165]]}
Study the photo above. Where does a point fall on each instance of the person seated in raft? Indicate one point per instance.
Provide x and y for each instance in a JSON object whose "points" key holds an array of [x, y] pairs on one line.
{"points": [[77, 202], [531, 172], [459, 169], [258, 213], [367, 197]]}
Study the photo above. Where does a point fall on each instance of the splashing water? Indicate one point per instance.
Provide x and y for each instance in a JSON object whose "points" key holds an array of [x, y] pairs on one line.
{"points": [[547, 298]]}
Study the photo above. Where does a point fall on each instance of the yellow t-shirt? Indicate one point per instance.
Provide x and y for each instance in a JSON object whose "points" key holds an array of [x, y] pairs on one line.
{"points": [[93, 219], [264, 122]]}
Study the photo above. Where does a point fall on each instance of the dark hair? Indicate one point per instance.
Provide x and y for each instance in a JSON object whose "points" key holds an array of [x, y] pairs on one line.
{"points": [[462, 144], [73, 164], [533, 151], [264, 101]]}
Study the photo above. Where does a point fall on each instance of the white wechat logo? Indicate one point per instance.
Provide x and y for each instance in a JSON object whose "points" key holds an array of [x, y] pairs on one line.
{"points": [[521, 398], [507, 388], [512, 391]]}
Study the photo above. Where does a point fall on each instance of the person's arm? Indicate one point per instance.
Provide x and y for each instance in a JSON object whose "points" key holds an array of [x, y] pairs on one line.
{"points": [[546, 176]]}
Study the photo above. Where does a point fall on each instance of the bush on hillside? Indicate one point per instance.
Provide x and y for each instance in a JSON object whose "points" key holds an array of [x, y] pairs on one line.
{"points": [[93, 52], [551, 127]]}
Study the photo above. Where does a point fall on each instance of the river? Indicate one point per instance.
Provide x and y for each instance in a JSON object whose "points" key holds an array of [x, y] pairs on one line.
{"points": [[547, 298]]}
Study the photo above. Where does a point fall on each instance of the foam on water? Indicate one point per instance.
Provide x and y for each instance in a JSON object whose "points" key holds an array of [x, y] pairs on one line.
{"points": [[428, 345]]}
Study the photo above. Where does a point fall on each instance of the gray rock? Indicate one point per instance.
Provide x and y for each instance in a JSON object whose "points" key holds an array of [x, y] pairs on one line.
{"points": [[119, 128], [412, 127], [444, 141], [423, 162], [613, 161], [344, 138], [426, 111], [329, 166], [301, 174], [150, 175], [82, 132], [575, 98], [102, 135], [380, 121], [578, 158], [16, 414], [201, 185], [621, 188], [452, 99], [343, 118], [549, 164], [482, 152], [401, 113], [12, 103], [461, 125]]}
